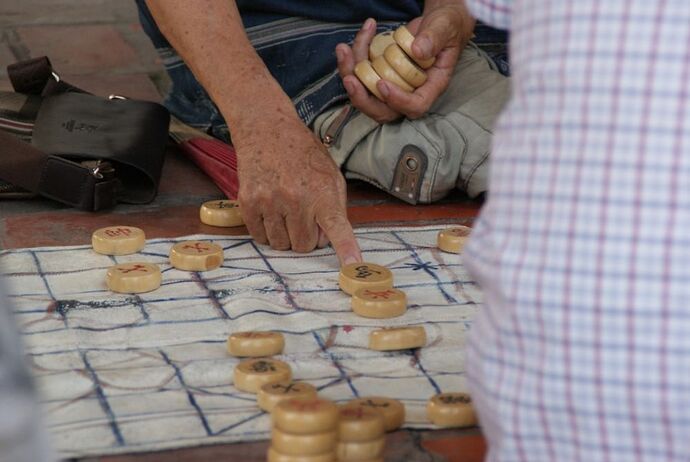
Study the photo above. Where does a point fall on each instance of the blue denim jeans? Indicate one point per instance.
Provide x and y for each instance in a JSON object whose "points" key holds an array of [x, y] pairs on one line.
{"points": [[299, 51]]}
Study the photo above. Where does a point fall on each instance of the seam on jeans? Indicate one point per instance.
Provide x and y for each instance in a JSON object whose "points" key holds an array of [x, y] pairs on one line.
{"points": [[474, 170], [463, 154], [440, 155], [465, 150]]}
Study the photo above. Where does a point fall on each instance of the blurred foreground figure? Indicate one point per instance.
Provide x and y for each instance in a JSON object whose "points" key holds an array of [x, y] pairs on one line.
{"points": [[583, 248], [22, 437]]}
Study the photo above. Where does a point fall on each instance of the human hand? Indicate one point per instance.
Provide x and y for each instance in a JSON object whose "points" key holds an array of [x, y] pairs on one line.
{"points": [[292, 194], [442, 32]]}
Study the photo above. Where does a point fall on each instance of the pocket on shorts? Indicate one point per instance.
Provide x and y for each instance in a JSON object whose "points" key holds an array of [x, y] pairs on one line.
{"points": [[450, 145]]}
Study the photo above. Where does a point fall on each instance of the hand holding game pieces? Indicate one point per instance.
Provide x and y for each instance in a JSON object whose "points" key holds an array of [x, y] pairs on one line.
{"points": [[427, 51]]}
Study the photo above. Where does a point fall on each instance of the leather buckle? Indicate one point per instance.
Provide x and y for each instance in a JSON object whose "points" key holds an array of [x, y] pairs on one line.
{"points": [[409, 174]]}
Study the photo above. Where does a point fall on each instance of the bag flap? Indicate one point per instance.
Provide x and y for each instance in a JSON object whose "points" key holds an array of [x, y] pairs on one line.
{"points": [[130, 134]]}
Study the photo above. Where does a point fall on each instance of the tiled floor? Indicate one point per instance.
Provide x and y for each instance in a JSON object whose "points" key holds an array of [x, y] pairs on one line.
{"points": [[98, 45]]}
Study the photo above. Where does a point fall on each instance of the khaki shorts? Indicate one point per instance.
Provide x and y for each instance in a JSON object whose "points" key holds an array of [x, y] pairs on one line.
{"points": [[422, 160]]}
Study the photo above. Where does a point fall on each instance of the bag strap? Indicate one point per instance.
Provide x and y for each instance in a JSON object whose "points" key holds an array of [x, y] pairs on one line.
{"points": [[51, 176], [55, 177], [37, 77]]}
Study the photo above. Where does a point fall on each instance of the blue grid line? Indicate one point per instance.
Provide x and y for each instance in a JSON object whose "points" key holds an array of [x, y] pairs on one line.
{"points": [[294, 305], [418, 362], [212, 295], [279, 278], [336, 364], [425, 267], [103, 400], [190, 395]]}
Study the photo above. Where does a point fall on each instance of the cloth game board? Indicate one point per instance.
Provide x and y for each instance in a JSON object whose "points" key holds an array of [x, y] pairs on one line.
{"points": [[126, 373]]}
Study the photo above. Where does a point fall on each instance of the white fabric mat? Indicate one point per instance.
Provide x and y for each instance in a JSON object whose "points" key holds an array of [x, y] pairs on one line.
{"points": [[122, 373]]}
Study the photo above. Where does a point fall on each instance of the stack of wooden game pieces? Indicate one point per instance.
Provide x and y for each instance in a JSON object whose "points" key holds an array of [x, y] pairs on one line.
{"points": [[391, 59], [304, 430], [361, 435]]}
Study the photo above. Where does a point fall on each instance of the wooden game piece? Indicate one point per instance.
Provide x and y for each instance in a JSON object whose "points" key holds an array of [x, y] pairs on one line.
{"points": [[256, 344], [360, 451], [379, 303], [303, 445], [404, 38], [275, 456], [305, 416], [368, 76], [386, 72], [453, 240], [404, 66], [133, 278], [362, 275], [271, 394], [222, 213], [379, 44], [250, 375], [451, 410], [392, 410], [118, 240], [196, 256], [360, 423], [397, 338]]}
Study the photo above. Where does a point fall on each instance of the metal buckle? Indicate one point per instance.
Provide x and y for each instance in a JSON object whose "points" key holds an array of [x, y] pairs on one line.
{"points": [[99, 168], [55, 76]]}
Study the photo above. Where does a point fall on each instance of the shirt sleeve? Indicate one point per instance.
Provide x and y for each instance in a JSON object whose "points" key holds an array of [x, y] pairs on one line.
{"points": [[496, 13]]}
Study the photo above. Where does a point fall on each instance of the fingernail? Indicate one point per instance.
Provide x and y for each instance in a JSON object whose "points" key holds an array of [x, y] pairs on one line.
{"points": [[383, 88], [369, 23], [339, 53], [348, 86], [423, 45], [350, 259]]}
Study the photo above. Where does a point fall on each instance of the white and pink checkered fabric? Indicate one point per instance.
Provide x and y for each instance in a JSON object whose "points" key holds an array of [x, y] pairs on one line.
{"points": [[583, 248]]}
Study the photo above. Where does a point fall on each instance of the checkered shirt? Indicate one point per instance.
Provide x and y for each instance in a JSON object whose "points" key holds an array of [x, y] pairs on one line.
{"points": [[582, 352]]}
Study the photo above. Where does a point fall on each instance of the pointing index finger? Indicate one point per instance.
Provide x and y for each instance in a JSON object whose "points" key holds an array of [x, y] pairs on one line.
{"points": [[339, 230]]}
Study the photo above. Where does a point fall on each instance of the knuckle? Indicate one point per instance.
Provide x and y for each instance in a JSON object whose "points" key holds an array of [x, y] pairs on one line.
{"points": [[415, 113], [280, 244], [302, 247], [260, 239]]}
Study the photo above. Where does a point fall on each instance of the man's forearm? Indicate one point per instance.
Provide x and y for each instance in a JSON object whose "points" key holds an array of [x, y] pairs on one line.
{"points": [[210, 37]]}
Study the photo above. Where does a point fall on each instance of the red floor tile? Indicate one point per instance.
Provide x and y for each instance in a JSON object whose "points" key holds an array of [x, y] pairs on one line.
{"points": [[80, 49], [470, 448]]}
